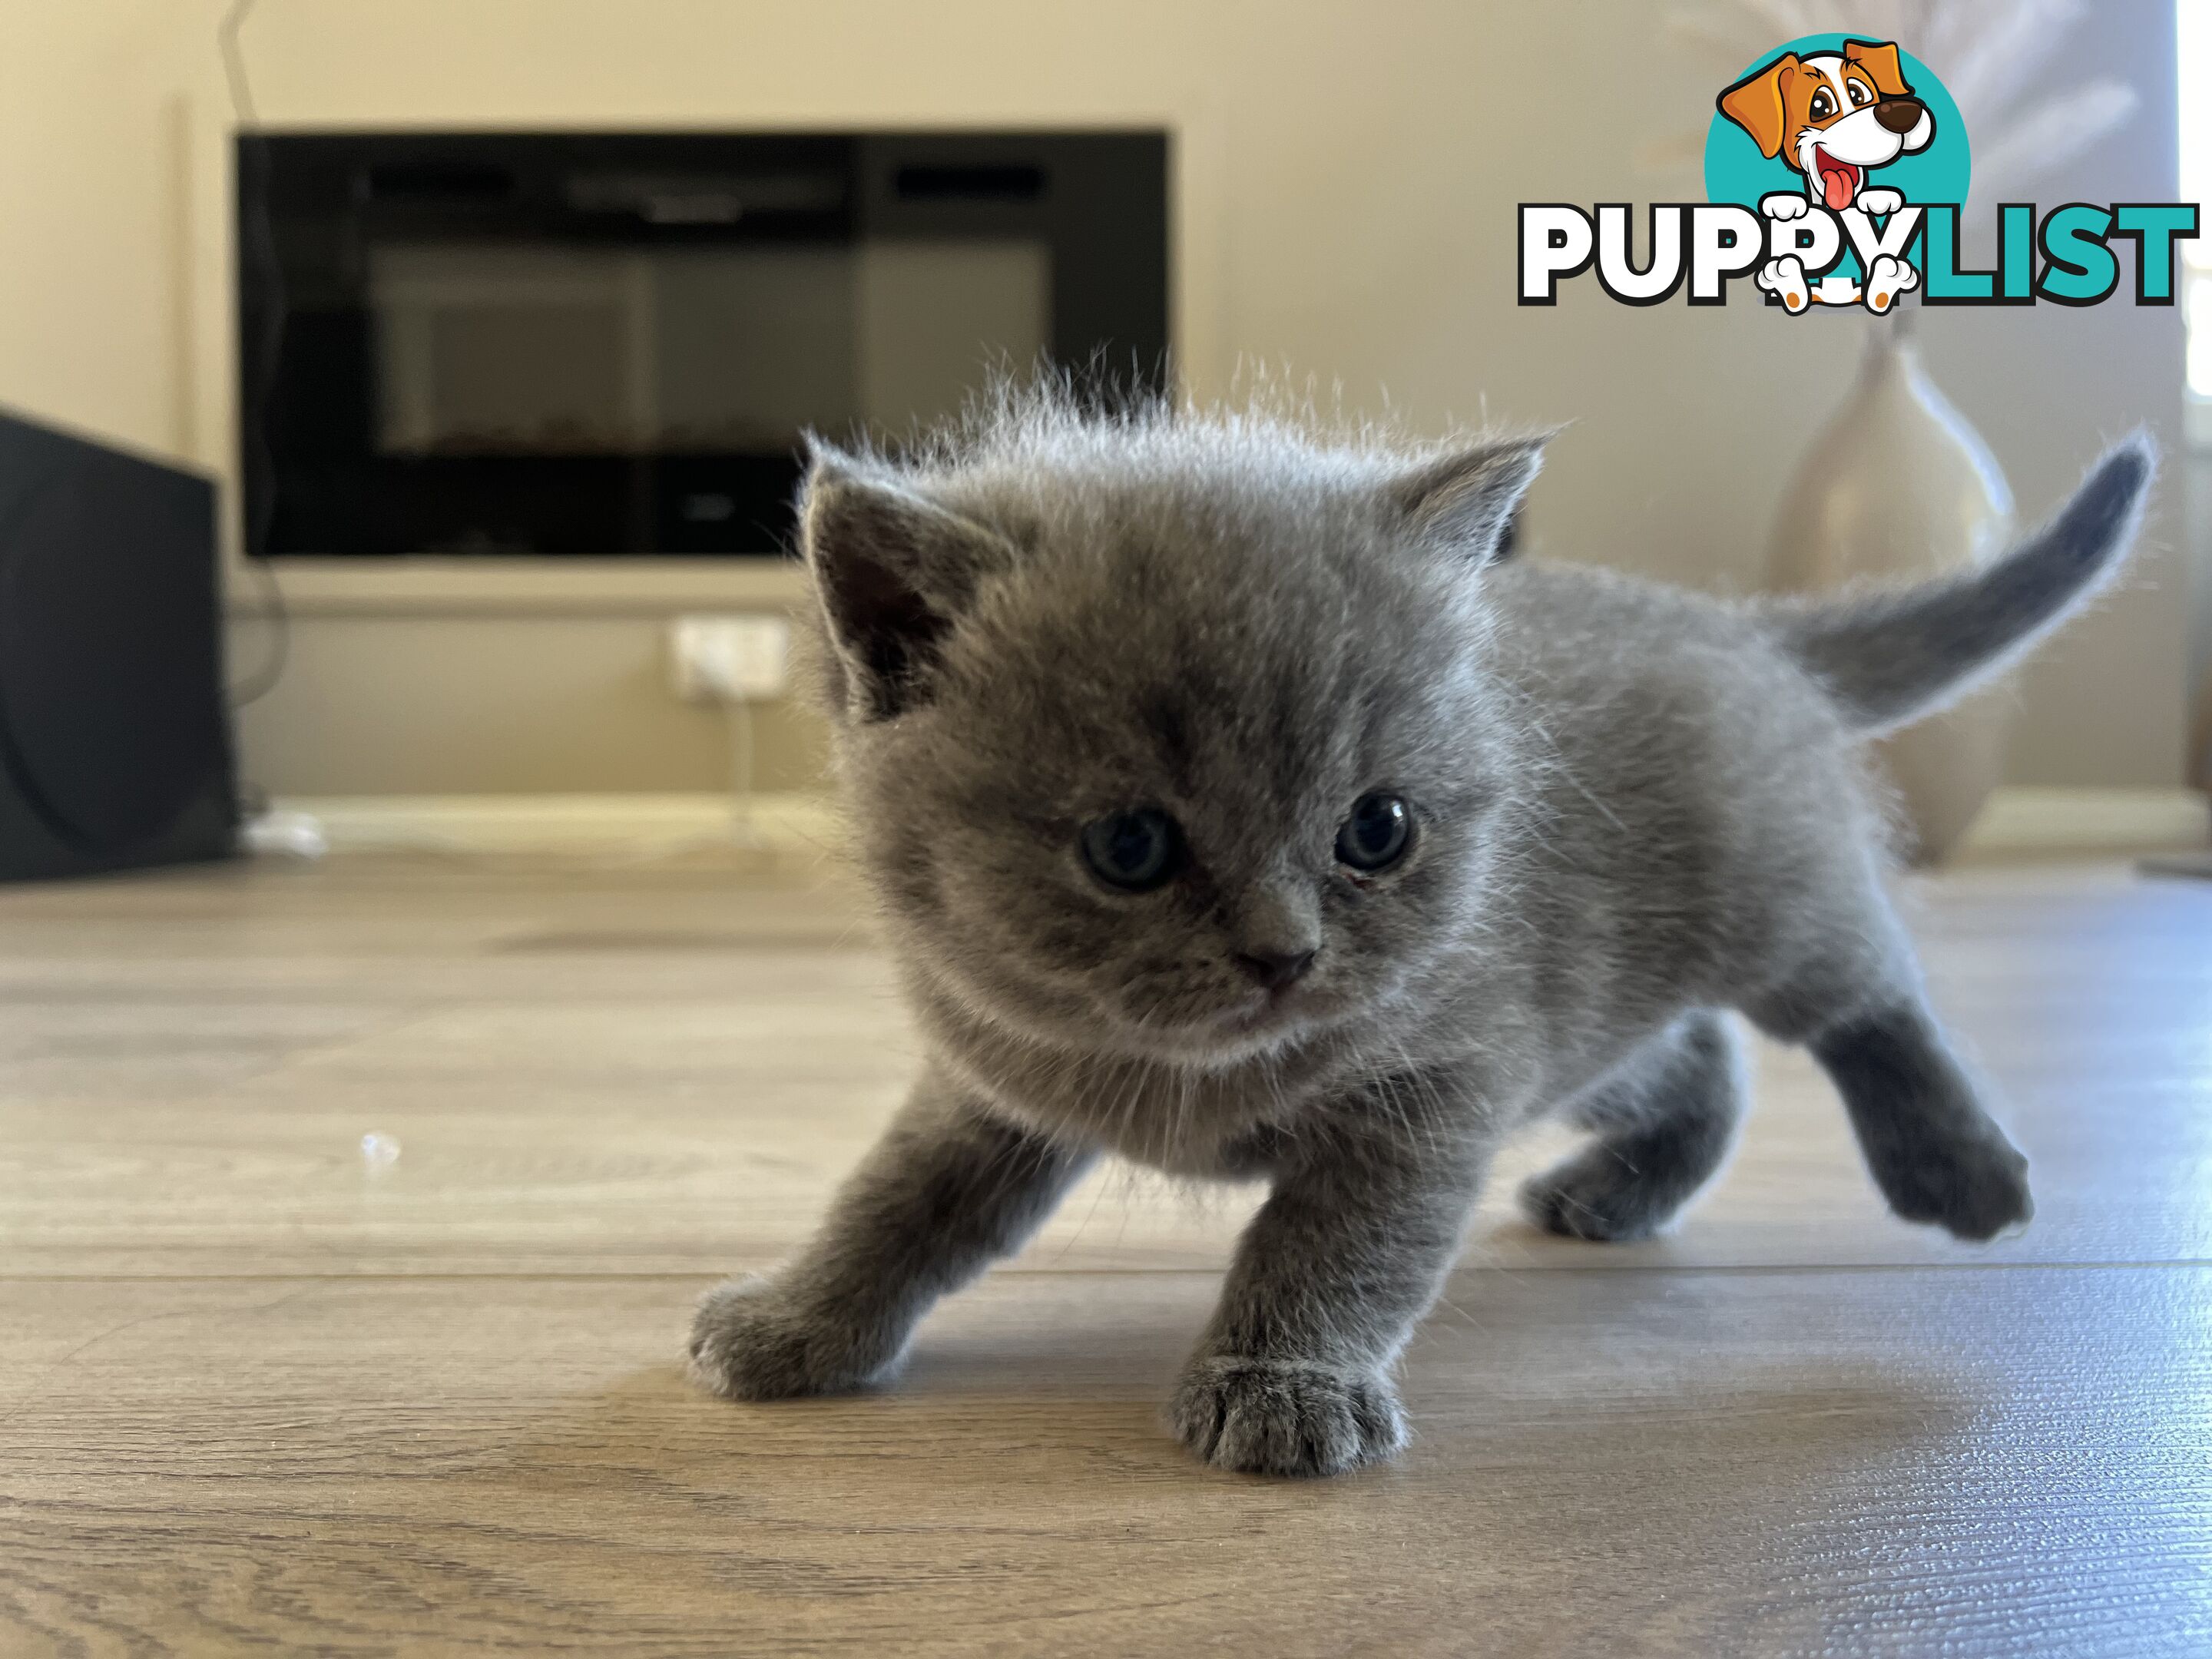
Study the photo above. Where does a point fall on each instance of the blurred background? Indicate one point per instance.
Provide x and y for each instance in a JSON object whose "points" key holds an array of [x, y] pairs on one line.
{"points": [[495, 330]]}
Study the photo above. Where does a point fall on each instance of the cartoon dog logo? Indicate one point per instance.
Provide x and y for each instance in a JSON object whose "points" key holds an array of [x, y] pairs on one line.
{"points": [[1837, 116]]}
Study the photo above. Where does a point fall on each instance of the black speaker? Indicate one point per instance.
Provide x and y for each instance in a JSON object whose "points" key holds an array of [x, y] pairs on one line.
{"points": [[115, 747]]}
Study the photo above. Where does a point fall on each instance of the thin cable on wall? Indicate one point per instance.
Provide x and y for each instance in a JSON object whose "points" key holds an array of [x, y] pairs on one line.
{"points": [[257, 248]]}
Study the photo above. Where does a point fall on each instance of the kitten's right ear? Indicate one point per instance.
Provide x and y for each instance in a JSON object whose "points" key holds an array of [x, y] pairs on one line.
{"points": [[893, 573], [1466, 501]]}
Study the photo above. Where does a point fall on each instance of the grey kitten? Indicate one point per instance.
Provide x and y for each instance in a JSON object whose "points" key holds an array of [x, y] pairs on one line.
{"points": [[1228, 813]]}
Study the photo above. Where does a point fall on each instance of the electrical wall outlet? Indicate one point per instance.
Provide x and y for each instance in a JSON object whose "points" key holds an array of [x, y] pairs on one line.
{"points": [[730, 659]]}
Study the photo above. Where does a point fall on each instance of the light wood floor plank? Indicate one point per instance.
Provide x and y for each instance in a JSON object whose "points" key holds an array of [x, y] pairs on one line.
{"points": [[256, 1394], [564, 1103], [1963, 1462]]}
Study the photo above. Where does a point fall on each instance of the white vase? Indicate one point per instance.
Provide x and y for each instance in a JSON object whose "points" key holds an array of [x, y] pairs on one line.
{"points": [[1898, 488]]}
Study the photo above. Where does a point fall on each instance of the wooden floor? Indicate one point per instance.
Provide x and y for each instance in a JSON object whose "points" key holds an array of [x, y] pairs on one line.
{"points": [[260, 1391]]}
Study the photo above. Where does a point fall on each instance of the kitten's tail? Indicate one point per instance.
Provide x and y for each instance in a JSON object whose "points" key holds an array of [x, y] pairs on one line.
{"points": [[1889, 659]]}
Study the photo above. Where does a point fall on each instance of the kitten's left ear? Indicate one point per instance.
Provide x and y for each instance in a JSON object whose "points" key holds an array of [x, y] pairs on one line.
{"points": [[1463, 503]]}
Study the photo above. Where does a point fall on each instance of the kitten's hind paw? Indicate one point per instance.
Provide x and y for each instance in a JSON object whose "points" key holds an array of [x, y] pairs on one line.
{"points": [[750, 1342], [1937, 1155], [1973, 1189], [1286, 1417]]}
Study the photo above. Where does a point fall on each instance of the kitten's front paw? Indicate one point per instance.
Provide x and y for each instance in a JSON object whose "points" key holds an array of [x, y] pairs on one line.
{"points": [[1595, 1197], [750, 1342], [1286, 1417]]}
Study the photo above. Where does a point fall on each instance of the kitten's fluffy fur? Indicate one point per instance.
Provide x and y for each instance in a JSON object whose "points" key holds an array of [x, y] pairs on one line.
{"points": [[1634, 808]]}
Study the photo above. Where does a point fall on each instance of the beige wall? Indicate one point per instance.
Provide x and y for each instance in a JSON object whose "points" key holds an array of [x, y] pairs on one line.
{"points": [[493, 704], [94, 327], [2192, 479], [1347, 177]]}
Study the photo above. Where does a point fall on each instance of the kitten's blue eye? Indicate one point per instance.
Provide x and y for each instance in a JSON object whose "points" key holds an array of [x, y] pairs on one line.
{"points": [[1134, 851], [1376, 834]]}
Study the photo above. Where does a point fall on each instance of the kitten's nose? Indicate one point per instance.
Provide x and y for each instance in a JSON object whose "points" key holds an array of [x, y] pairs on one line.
{"points": [[1276, 969], [1899, 114]]}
